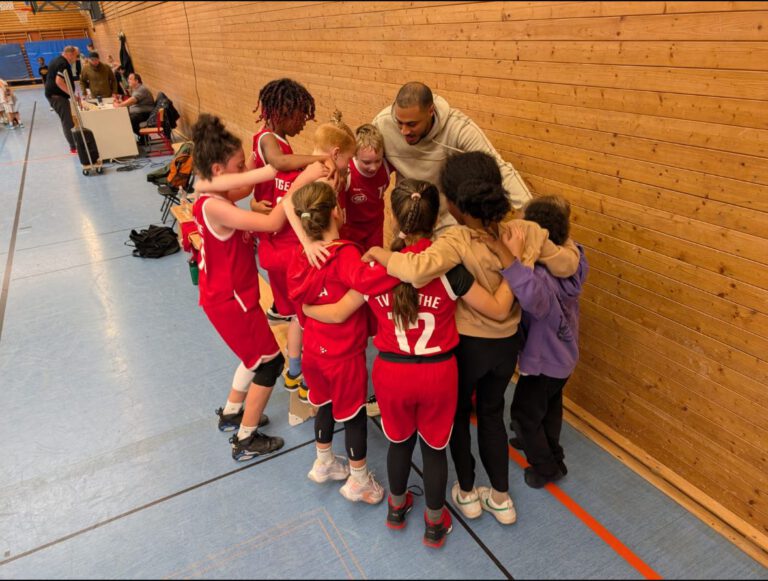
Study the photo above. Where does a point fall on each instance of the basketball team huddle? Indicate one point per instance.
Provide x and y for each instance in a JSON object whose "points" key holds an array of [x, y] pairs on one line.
{"points": [[464, 295]]}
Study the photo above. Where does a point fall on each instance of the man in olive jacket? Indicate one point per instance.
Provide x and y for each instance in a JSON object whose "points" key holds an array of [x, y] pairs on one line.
{"points": [[98, 77]]}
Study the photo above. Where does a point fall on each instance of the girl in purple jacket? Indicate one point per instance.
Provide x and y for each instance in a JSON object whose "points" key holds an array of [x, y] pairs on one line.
{"points": [[550, 325]]}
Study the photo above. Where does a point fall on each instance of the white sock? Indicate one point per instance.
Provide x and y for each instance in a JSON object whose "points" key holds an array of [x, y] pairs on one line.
{"points": [[244, 432], [359, 474], [232, 408], [325, 455]]}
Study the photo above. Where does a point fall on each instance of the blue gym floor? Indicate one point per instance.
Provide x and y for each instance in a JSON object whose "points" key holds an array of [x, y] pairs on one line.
{"points": [[112, 465]]}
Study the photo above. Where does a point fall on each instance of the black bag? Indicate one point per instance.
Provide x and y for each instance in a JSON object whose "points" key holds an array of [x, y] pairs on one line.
{"points": [[84, 139], [154, 242]]}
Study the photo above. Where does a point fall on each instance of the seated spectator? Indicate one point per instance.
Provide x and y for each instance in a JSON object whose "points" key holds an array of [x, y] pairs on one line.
{"points": [[98, 78], [140, 103]]}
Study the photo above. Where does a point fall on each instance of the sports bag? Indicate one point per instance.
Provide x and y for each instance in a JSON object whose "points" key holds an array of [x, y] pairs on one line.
{"points": [[154, 242]]}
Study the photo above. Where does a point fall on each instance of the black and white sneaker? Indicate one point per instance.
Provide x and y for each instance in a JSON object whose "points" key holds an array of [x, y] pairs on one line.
{"points": [[231, 422], [275, 318], [257, 444]]}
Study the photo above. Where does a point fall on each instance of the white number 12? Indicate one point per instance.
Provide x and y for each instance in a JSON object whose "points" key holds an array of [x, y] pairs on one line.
{"points": [[421, 345]]}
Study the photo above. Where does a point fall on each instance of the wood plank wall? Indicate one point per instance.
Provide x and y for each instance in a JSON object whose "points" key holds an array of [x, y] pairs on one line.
{"points": [[649, 116], [50, 24]]}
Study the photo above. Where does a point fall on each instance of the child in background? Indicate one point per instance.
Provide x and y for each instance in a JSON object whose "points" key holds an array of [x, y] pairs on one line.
{"points": [[229, 281], [334, 142], [415, 374], [10, 104], [42, 68], [362, 201], [334, 355], [551, 327]]}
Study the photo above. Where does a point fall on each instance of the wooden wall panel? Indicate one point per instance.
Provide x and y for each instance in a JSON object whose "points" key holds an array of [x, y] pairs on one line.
{"points": [[648, 116]]}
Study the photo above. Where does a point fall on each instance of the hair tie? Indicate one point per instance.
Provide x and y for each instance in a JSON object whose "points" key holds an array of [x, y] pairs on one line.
{"points": [[402, 235], [305, 215], [415, 196]]}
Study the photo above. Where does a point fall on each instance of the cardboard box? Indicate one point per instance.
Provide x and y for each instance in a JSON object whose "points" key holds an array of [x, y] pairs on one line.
{"points": [[299, 411]]}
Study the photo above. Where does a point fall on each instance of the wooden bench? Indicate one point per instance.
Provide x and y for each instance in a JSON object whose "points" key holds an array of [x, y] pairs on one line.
{"points": [[183, 214]]}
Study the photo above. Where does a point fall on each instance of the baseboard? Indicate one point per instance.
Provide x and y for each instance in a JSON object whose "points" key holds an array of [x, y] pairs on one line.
{"points": [[731, 526]]}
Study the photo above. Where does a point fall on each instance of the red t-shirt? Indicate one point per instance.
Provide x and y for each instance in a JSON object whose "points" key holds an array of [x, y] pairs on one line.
{"points": [[264, 190], [343, 270], [363, 198], [435, 330], [275, 249], [227, 264]]}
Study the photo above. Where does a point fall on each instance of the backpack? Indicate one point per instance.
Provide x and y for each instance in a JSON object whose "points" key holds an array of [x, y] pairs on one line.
{"points": [[154, 242], [181, 168]]}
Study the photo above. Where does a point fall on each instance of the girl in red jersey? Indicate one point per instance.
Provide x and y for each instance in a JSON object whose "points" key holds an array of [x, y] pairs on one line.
{"points": [[415, 374], [284, 106], [229, 284], [334, 142], [362, 201], [334, 355]]}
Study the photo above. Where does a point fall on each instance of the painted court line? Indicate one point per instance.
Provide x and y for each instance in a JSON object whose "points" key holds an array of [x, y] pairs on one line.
{"points": [[591, 522]]}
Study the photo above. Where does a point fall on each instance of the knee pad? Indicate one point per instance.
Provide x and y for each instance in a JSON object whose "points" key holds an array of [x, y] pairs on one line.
{"points": [[267, 373], [242, 379]]}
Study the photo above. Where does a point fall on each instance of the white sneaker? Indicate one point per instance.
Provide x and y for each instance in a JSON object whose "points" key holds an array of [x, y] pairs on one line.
{"points": [[468, 505], [370, 491], [324, 471], [505, 513]]}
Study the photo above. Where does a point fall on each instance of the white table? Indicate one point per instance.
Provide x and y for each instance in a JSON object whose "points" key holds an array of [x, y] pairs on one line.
{"points": [[111, 128]]}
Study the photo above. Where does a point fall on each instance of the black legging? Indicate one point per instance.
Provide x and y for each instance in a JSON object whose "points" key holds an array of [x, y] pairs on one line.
{"points": [[485, 366], [355, 431], [537, 412], [435, 470]]}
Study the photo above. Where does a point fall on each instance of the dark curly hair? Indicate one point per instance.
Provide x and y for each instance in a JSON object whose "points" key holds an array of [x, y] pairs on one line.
{"points": [[472, 182], [281, 97], [212, 144], [552, 213]]}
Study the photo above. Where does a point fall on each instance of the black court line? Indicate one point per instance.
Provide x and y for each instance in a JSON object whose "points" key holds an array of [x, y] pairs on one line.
{"points": [[122, 515], [458, 518], [14, 228]]}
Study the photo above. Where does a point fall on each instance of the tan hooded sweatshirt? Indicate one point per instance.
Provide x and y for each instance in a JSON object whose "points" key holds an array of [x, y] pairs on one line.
{"points": [[455, 245], [452, 132]]}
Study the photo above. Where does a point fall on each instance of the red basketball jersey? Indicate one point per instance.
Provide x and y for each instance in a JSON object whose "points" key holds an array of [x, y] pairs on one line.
{"points": [[363, 198], [275, 249], [227, 264], [343, 270], [435, 330], [264, 190]]}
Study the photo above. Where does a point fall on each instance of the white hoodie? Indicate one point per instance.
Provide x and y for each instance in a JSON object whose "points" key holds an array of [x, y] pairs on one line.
{"points": [[452, 132]]}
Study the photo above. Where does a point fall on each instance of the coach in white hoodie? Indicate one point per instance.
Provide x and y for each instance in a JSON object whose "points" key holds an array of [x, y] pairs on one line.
{"points": [[421, 131]]}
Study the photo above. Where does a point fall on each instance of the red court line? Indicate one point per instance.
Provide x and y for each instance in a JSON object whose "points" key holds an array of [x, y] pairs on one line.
{"points": [[603, 533]]}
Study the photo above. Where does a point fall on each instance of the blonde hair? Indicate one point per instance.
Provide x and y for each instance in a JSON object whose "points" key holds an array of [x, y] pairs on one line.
{"points": [[368, 135], [314, 204], [335, 133]]}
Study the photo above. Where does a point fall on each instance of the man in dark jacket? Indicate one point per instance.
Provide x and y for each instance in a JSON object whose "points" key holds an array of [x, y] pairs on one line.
{"points": [[57, 93]]}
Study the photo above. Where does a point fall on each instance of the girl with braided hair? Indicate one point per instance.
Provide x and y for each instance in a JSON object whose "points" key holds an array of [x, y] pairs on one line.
{"points": [[334, 354], [415, 374], [284, 107]]}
